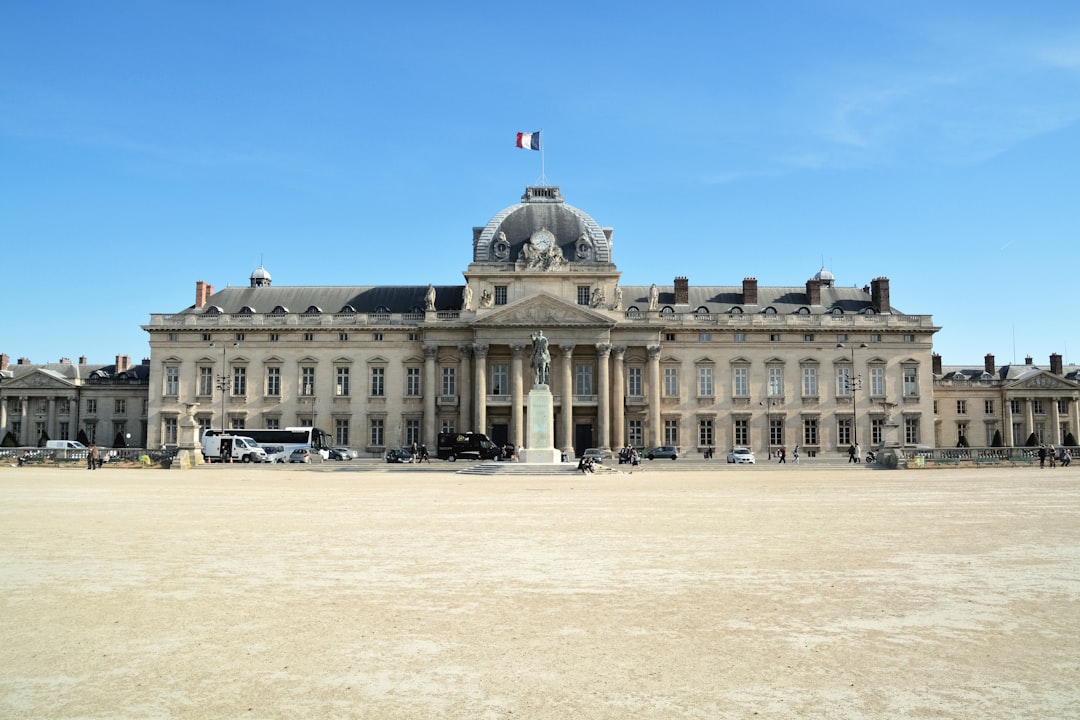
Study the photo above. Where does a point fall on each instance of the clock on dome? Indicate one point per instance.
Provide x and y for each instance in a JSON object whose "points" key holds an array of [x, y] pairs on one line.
{"points": [[542, 239]]}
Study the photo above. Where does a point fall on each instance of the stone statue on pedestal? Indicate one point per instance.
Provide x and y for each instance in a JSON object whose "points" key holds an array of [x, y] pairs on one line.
{"points": [[541, 358]]}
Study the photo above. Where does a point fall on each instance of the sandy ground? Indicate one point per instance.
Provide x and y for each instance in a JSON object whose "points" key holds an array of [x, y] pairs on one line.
{"points": [[248, 592]]}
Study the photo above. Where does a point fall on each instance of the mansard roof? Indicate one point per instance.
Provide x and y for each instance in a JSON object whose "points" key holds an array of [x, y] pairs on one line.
{"points": [[299, 299]]}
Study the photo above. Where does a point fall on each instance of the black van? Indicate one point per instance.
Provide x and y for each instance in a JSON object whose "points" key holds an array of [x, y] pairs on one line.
{"points": [[467, 445]]}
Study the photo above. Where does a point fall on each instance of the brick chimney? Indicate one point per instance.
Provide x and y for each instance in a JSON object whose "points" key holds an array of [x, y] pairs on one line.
{"points": [[65, 361], [123, 362], [82, 359], [879, 294], [146, 361], [813, 291], [24, 361], [4, 361], [1028, 360], [1055, 364], [936, 360], [200, 293], [988, 363], [682, 291], [749, 291]]}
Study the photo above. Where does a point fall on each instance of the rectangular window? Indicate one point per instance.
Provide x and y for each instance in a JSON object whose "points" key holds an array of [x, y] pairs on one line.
{"points": [[741, 378], [204, 425], [911, 431], [911, 382], [809, 382], [633, 382], [377, 438], [810, 431], [635, 434], [273, 423], [500, 380], [875, 337], [669, 337], [843, 382], [776, 382], [120, 428], [343, 336], [909, 338], [273, 381], [447, 426], [500, 294], [65, 429], [583, 379], [341, 431], [671, 432], [776, 431], [119, 406], [671, 382], [808, 338], [412, 381], [774, 337], [843, 431], [705, 433], [961, 432], [877, 381], [239, 381], [378, 379], [1014, 407], [412, 432], [206, 337], [705, 382], [169, 430], [877, 431], [991, 430], [740, 337], [841, 338], [741, 431], [206, 381], [583, 293], [377, 337], [988, 408], [341, 382], [309, 337], [238, 337], [274, 337], [1037, 407], [704, 337], [1063, 406], [449, 381], [307, 381], [961, 407], [172, 380]]}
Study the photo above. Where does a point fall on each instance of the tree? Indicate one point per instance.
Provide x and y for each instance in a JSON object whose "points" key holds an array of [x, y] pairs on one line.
{"points": [[1032, 441], [43, 440], [997, 441], [81, 437], [9, 440], [1070, 440], [119, 441]]}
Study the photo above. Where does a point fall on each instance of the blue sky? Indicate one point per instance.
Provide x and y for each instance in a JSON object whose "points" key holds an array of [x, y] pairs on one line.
{"points": [[147, 145]]}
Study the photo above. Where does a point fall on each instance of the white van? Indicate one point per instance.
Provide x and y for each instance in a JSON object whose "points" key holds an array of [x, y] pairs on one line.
{"points": [[64, 445], [240, 448]]}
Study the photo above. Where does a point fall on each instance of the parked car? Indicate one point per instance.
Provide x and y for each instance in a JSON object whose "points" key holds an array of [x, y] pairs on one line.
{"points": [[399, 455], [300, 455], [597, 455], [664, 451], [275, 453], [741, 456], [342, 453]]}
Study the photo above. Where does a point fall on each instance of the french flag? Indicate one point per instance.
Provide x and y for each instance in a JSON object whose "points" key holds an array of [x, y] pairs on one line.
{"points": [[529, 141]]}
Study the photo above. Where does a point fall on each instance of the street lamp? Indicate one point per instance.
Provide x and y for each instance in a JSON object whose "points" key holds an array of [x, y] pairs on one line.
{"points": [[223, 380], [768, 422], [856, 383]]}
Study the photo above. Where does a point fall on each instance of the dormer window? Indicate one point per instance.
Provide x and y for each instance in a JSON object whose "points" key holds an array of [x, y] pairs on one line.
{"points": [[736, 311], [280, 310], [769, 310], [247, 310], [313, 310]]}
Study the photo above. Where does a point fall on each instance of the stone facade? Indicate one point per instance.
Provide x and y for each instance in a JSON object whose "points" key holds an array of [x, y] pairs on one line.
{"points": [[58, 400], [1016, 401], [692, 366]]}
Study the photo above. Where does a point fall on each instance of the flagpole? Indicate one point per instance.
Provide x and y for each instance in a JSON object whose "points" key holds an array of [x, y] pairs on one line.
{"points": [[543, 176]]}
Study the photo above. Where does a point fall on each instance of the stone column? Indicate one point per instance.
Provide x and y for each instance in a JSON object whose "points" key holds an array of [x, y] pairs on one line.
{"points": [[1074, 418], [1007, 431], [567, 390], [465, 389], [50, 419], [3, 417], [480, 351], [618, 389], [654, 436], [24, 417], [603, 398], [1029, 419], [517, 397], [1055, 424], [431, 392]]}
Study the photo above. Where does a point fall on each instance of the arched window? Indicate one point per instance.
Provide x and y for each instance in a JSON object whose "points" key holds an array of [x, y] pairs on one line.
{"points": [[736, 310], [313, 310], [212, 310], [347, 310], [280, 310], [667, 311], [247, 310], [702, 310], [769, 310]]}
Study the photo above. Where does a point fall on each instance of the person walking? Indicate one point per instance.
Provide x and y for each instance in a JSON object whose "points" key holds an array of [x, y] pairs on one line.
{"points": [[795, 455], [783, 455], [1042, 456], [851, 454], [92, 457], [1066, 457]]}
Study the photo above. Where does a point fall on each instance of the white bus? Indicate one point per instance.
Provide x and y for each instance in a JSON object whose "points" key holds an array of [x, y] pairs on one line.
{"points": [[279, 443]]}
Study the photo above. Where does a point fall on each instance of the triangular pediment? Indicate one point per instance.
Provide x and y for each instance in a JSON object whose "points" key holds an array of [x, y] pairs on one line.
{"points": [[38, 380], [1042, 380], [544, 310]]}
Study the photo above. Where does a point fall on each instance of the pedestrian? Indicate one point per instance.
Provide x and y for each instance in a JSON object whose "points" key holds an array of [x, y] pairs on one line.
{"points": [[1051, 457], [851, 454], [424, 454], [1042, 456], [795, 455], [783, 455], [635, 459], [1066, 457], [858, 453], [92, 457]]}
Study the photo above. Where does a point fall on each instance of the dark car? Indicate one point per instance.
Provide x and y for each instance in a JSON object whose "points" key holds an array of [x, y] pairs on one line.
{"points": [[664, 451], [399, 455]]}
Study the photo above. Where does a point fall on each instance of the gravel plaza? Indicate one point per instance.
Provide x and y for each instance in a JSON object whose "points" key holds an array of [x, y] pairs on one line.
{"points": [[358, 590]]}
